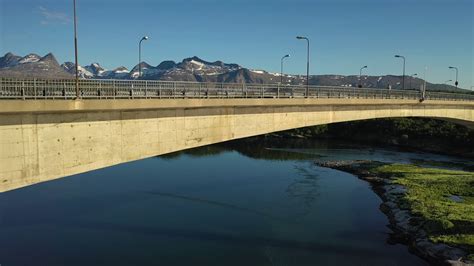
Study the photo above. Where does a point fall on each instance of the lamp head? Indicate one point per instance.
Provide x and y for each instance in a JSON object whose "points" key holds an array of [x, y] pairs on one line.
{"points": [[287, 55], [364, 67], [397, 55], [145, 38], [300, 37]]}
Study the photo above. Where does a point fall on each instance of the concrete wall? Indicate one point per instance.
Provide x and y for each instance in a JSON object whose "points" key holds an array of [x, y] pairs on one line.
{"points": [[45, 140]]}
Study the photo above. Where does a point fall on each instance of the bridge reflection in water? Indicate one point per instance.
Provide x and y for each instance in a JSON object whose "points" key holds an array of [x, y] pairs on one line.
{"points": [[45, 135]]}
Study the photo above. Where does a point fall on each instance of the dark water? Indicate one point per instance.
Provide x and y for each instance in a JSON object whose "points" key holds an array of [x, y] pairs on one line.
{"points": [[257, 205]]}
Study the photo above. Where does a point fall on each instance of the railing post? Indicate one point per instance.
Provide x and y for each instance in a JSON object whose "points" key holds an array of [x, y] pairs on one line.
{"points": [[34, 88], [174, 89], [278, 91], [114, 89], [64, 90], [23, 90], [146, 89], [99, 91]]}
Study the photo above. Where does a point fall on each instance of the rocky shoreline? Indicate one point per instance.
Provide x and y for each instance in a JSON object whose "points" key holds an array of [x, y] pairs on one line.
{"points": [[408, 229]]}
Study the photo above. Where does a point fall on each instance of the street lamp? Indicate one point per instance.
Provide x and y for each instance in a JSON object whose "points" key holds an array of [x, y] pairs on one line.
{"points": [[412, 77], [75, 51], [360, 76], [140, 55], [455, 83], [403, 80], [281, 69], [307, 64]]}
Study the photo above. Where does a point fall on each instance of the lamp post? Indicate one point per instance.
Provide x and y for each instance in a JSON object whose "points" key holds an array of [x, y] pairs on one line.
{"points": [[75, 51], [307, 64], [360, 76], [140, 55], [281, 69], [412, 77], [403, 79], [455, 68], [423, 91]]}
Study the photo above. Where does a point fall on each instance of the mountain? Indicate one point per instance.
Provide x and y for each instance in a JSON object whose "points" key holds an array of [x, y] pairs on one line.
{"points": [[70, 67], [196, 69], [118, 73], [190, 69], [9, 60], [31, 66], [93, 70], [147, 71]]}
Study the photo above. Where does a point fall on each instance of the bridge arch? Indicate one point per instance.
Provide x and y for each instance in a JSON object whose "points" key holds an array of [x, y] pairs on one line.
{"points": [[45, 140]]}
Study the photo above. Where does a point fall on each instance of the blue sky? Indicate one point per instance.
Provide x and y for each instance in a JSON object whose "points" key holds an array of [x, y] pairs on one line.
{"points": [[345, 34]]}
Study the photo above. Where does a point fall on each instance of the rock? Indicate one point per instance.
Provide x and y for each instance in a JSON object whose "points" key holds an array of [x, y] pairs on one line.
{"points": [[459, 263], [440, 251], [395, 190], [392, 205], [374, 179], [384, 208], [402, 219]]}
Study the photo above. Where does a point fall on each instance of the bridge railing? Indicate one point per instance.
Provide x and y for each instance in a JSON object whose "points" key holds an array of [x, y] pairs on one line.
{"points": [[145, 89]]}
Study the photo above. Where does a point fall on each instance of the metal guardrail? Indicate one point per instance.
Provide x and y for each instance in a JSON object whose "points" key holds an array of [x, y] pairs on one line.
{"points": [[37, 89]]}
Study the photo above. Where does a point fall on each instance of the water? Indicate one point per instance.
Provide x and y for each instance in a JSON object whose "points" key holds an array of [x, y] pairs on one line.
{"points": [[257, 205]]}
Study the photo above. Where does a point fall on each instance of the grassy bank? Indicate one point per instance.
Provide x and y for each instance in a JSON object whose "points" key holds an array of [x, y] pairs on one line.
{"points": [[429, 196]]}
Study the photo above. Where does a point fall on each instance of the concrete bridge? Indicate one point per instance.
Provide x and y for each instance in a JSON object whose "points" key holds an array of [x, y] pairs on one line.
{"points": [[42, 138]]}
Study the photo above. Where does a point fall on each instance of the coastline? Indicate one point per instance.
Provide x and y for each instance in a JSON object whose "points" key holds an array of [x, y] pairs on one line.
{"points": [[408, 229]]}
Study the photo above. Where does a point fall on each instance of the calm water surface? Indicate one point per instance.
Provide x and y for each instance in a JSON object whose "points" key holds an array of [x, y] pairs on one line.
{"points": [[259, 205]]}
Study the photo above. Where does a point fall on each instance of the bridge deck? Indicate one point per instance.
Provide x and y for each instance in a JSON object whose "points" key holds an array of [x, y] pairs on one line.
{"points": [[53, 106]]}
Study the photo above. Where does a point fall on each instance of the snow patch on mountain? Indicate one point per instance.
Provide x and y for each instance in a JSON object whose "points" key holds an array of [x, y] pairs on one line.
{"points": [[31, 58]]}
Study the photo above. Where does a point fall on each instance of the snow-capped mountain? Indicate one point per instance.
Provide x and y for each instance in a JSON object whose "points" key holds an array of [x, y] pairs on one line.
{"points": [[70, 67], [31, 66], [118, 73], [91, 71], [147, 70], [193, 69], [10, 60], [201, 67], [95, 69]]}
